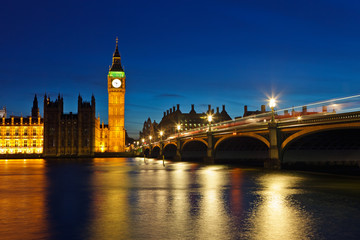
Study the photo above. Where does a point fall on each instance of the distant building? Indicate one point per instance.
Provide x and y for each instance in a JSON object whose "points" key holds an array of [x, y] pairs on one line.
{"points": [[187, 121], [3, 112], [304, 111], [149, 129], [22, 135], [249, 113], [286, 113], [70, 134]]}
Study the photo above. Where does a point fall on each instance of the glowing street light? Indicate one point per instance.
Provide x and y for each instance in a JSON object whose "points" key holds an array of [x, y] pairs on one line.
{"points": [[143, 140], [209, 118], [178, 128], [150, 137], [161, 134], [272, 105]]}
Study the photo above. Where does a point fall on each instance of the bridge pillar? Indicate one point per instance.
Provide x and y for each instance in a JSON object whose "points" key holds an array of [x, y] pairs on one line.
{"points": [[178, 150], [150, 150], [274, 157], [210, 149], [161, 154]]}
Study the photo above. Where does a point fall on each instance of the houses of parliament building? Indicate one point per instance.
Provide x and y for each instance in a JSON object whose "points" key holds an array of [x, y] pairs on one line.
{"points": [[59, 134]]}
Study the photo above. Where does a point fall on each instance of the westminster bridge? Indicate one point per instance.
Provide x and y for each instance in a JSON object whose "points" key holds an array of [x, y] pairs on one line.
{"points": [[326, 133]]}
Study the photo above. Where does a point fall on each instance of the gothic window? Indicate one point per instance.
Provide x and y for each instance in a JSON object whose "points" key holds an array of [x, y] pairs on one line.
{"points": [[25, 143], [25, 132], [34, 143], [16, 132]]}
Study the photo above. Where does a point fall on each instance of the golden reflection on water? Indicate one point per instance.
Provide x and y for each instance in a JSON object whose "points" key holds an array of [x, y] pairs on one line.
{"points": [[213, 217], [179, 180], [277, 215], [22, 199], [236, 193], [110, 206]]}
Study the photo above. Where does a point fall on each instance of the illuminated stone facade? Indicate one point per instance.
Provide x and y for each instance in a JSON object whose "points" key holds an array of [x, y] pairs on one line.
{"points": [[22, 135], [59, 134], [116, 106]]}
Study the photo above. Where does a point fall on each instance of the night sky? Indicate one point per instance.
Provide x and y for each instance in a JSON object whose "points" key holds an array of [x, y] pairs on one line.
{"points": [[179, 52]]}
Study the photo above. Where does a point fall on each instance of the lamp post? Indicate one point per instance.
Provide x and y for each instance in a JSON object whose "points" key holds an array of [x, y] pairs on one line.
{"points": [[272, 104], [161, 145], [150, 137], [178, 128], [143, 149], [209, 118], [161, 134]]}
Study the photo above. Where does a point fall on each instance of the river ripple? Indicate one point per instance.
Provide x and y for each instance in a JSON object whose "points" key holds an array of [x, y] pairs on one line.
{"points": [[133, 198]]}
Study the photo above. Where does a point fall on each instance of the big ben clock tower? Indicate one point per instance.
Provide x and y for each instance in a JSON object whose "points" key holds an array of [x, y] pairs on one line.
{"points": [[116, 94]]}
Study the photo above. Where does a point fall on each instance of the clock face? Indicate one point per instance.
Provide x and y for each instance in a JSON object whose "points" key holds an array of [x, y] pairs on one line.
{"points": [[116, 83]]}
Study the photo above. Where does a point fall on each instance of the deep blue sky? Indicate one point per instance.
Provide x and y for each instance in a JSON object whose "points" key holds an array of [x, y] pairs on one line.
{"points": [[188, 52]]}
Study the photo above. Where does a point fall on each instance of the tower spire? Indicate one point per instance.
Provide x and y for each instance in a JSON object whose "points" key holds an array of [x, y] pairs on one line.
{"points": [[35, 109], [116, 63]]}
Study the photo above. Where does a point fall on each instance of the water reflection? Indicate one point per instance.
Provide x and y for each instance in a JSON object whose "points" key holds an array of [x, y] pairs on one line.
{"points": [[23, 213], [276, 214], [68, 197], [236, 177], [110, 200], [136, 199], [213, 217]]}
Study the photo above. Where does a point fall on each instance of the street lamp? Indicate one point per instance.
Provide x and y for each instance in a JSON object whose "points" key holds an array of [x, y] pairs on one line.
{"points": [[143, 140], [272, 104], [178, 128], [161, 134], [150, 137], [209, 118]]}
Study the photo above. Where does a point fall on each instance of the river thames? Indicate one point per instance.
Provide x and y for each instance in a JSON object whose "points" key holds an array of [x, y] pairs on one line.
{"points": [[137, 198]]}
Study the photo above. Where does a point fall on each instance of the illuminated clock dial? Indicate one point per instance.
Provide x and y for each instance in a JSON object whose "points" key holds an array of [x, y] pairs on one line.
{"points": [[116, 83]]}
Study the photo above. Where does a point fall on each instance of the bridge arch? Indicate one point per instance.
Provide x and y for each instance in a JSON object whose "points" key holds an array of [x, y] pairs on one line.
{"points": [[155, 153], [169, 150], [194, 150], [155, 145], [246, 149], [147, 151], [324, 145], [316, 129], [170, 143], [194, 139], [253, 135]]}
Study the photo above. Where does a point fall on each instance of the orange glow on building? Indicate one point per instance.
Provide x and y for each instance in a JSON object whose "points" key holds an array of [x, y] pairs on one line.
{"points": [[20, 135]]}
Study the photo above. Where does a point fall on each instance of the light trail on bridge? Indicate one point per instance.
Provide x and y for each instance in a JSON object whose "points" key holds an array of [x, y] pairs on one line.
{"points": [[292, 114]]}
